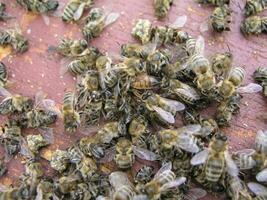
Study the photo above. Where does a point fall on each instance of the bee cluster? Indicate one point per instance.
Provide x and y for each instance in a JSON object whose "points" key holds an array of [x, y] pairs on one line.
{"points": [[127, 106]]}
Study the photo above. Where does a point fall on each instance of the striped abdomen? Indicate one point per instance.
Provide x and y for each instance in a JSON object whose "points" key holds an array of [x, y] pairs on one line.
{"points": [[69, 11], [214, 169]]}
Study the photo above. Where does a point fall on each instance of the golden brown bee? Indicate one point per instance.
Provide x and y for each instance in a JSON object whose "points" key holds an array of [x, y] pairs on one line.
{"points": [[37, 6], [221, 63], [217, 163], [73, 11], [96, 21], [71, 47], [254, 25], [221, 18], [163, 180], [71, 117], [86, 168], [214, 2], [260, 75], [144, 82], [253, 7], [162, 7]]}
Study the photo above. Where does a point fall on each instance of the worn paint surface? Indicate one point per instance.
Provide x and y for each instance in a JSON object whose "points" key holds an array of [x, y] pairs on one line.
{"points": [[38, 70]]}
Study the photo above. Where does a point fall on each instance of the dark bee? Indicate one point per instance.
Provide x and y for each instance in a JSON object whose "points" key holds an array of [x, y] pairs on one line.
{"points": [[253, 7], [221, 18], [37, 6], [3, 75], [162, 7], [254, 25], [260, 75], [214, 2], [3, 15]]}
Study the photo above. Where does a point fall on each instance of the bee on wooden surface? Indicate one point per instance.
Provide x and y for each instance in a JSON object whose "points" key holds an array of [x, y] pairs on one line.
{"points": [[59, 160], [258, 190], [163, 181], [260, 75], [96, 21], [3, 75], [162, 7], [253, 7], [37, 6], [71, 47], [221, 63], [221, 18], [15, 39], [214, 2], [254, 25], [217, 163], [3, 15], [122, 186], [71, 117], [124, 154], [142, 30], [74, 9]]}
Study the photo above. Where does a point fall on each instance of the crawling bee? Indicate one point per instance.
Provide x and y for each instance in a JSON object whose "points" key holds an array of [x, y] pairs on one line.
{"points": [[162, 7], [253, 7], [71, 48], [163, 181], [39, 6], [217, 163], [254, 25], [214, 2], [221, 18], [73, 11], [96, 21], [124, 154], [260, 75], [59, 160], [14, 38], [221, 63], [164, 109], [3, 15], [71, 117], [14, 103], [3, 75]]}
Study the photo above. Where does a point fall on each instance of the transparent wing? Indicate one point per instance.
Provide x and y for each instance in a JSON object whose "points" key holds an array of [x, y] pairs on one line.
{"points": [[250, 88], [245, 151], [48, 134], [190, 129], [109, 155], [118, 179], [144, 154], [178, 106], [257, 188], [24, 150], [50, 104], [167, 116], [188, 143], [177, 182], [39, 192], [39, 97], [230, 164], [79, 12], [179, 22], [164, 168], [64, 63], [195, 194], [4, 92], [204, 26], [46, 19], [262, 176], [200, 45], [140, 197], [111, 18], [200, 158], [190, 93]]}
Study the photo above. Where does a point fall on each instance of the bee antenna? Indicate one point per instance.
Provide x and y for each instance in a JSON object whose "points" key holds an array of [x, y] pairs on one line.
{"points": [[239, 6], [229, 49], [118, 43]]}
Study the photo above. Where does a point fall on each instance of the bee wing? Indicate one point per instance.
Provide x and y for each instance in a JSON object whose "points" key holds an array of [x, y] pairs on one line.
{"points": [[257, 188], [144, 154], [39, 97], [140, 197], [64, 62], [179, 22], [46, 19], [50, 104], [195, 194], [109, 155], [245, 151], [232, 168], [118, 178], [204, 26], [189, 92], [48, 134], [79, 12], [178, 106], [177, 182], [111, 18], [200, 157], [167, 116], [24, 150], [250, 88], [187, 143], [164, 168], [200, 45], [191, 129], [262, 176], [39, 191], [4, 92]]}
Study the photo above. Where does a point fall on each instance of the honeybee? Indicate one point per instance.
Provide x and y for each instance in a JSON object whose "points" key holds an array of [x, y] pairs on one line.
{"points": [[260, 75], [122, 187], [71, 117], [259, 190], [71, 47], [163, 181], [165, 109], [37, 6], [3, 167], [236, 189], [3, 75], [144, 81], [86, 168], [14, 37], [73, 11], [96, 21], [3, 15], [254, 25], [253, 7], [135, 50], [217, 163], [59, 160], [124, 154], [162, 7], [214, 2], [221, 63], [142, 30], [221, 18], [8, 193], [244, 159], [45, 190], [144, 175], [67, 183]]}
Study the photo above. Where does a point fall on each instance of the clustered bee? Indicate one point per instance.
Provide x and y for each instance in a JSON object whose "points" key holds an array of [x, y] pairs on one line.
{"points": [[39, 6], [162, 7], [15, 39], [260, 76], [3, 15]]}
